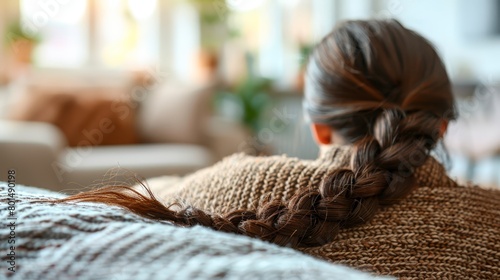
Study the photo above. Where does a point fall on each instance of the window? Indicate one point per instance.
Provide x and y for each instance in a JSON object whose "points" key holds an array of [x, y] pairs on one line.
{"points": [[62, 28], [116, 32], [127, 32], [170, 34]]}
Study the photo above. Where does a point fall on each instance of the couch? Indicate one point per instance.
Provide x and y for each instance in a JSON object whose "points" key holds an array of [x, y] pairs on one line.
{"points": [[39, 154], [174, 133]]}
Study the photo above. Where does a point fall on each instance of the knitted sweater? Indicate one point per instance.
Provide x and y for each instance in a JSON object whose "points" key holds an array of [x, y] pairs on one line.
{"points": [[441, 230]]}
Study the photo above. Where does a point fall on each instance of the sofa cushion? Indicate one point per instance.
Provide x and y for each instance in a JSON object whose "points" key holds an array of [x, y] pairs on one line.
{"points": [[81, 167], [94, 116], [175, 113]]}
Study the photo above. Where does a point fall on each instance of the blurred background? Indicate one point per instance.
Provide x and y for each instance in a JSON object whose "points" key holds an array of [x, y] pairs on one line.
{"points": [[91, 90]]}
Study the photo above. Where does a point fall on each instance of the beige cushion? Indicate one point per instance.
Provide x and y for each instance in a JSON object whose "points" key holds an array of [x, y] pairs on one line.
{"points": [[175, 113], [111, 165]]}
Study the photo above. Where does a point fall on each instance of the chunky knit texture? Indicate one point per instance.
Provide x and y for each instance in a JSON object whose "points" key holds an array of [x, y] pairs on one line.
{"points": [[441, 230], [96, 241]]}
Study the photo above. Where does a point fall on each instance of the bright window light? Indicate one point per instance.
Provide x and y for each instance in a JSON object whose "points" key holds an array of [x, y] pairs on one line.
{"points": [[62, 27], [244, 5], [40, 13], [127, 32], [142, 9]]}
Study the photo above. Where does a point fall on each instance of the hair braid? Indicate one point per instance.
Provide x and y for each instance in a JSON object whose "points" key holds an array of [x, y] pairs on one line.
{"points": [[312, 217]]}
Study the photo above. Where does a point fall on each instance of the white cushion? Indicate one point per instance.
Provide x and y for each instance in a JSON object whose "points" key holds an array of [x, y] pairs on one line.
{"points": [[119, 164]]}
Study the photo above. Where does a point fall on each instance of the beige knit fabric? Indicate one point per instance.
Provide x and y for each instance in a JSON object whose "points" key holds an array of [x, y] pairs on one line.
{"points": [[442, 230]]}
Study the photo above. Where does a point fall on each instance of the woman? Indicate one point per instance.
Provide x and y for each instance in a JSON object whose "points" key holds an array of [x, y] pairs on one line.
{"points": [[379, 100]]}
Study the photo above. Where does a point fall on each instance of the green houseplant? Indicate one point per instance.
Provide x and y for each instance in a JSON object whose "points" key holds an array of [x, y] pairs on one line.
{"points": [[20, 42], [250, 96]]}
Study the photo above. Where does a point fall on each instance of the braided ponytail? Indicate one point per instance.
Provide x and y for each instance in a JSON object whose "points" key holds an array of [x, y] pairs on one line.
{"points": [[389, 107], [311, 217]]}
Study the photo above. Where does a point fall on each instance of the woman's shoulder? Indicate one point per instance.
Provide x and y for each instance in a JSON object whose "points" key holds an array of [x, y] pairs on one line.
{"points": [[241, 181], [330, 156], [258, 166], [436, 228], [263, 159], [464, 196]]}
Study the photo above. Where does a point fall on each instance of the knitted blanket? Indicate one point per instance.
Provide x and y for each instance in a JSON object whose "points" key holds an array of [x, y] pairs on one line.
{"points": [[94, 241]]}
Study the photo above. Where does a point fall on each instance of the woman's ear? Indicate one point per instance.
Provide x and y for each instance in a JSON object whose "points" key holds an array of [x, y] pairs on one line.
{"points": [[322, 133], [443, 128]]}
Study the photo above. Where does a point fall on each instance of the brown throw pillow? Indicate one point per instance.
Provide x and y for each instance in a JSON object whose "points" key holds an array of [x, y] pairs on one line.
{"points": [[94, 116]]}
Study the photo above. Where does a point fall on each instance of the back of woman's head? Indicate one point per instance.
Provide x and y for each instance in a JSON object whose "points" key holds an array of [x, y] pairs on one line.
{"points": [[365, 68], [380, 86]]}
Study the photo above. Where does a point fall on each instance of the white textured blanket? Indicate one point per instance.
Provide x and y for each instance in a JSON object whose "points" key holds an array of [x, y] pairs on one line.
{"points": [[93, 241]]}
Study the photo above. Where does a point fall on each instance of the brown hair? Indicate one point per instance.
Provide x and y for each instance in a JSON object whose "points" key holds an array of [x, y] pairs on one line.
{"points": [[384, 89]]}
